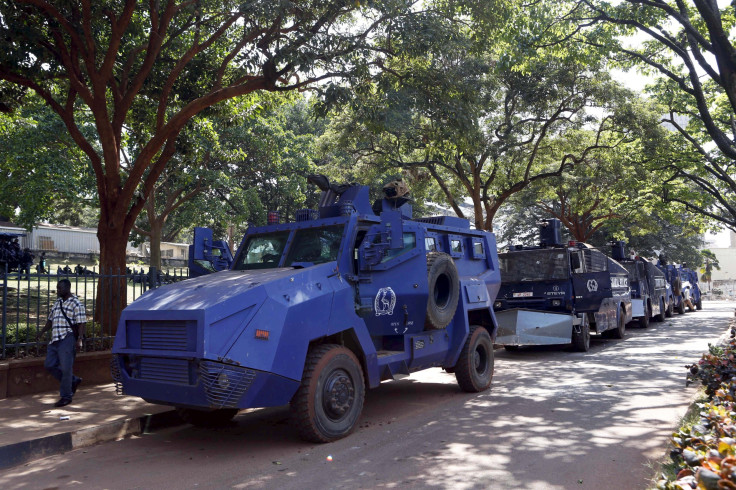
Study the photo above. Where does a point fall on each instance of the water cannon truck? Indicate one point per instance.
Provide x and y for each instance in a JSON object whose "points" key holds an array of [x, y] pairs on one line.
{"points": [[310, 313], [557, 293], [649, 296]]}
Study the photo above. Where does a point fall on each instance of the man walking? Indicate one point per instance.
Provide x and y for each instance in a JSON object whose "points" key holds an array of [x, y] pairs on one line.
{"points": [[66, 321]]}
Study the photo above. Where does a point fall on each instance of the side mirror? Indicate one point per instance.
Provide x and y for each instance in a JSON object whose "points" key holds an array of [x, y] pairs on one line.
{"points": [[575, 261]]}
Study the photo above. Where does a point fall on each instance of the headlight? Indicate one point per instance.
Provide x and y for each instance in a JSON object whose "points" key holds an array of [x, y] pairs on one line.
{"points": [[223, 381], [497, 304], [556, 302]]}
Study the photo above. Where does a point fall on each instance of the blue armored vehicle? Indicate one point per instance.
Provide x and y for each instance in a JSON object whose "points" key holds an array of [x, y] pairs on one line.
{"points": [[560, 294], [674, 280], [690, 288], [310, 313], [649, 296]]}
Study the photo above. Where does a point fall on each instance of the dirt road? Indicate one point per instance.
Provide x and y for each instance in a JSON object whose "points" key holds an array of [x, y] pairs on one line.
{"points": [[553, 419]]}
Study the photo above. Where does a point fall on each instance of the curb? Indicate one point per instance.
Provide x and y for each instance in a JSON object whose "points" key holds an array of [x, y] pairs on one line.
{"points": [[23, 452]]}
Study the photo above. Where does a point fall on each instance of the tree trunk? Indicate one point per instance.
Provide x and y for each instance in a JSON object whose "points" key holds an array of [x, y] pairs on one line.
{"points": [[112, 286], [155, 237]]}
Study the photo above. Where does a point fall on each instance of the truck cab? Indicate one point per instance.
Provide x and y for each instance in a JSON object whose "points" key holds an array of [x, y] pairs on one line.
{"points": [[310, 313], [559, 294]]}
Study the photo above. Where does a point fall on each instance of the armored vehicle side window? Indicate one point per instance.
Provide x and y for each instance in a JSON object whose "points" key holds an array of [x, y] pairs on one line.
{"points": [[410, 243], [595, 261], [430, 243], [534, 265], [262, 251], [315, 245], [456, 246]]}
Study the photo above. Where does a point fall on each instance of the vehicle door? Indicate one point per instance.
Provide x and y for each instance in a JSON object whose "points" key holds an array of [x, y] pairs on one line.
{"points": [[392, 285], [591, 284]]}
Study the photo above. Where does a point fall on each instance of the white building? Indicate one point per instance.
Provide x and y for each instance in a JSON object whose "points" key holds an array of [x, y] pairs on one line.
{"points": [[725, 278]]}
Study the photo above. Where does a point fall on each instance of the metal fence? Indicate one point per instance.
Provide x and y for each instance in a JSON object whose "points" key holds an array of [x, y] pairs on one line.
{"points": [[28, 298]]}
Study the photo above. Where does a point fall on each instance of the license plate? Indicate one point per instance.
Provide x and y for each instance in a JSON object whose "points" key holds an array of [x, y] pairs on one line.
{"points": [[523, 295]]}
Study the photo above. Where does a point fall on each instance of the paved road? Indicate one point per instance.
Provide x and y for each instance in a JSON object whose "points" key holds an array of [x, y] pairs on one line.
{"points": [[553, 419]]}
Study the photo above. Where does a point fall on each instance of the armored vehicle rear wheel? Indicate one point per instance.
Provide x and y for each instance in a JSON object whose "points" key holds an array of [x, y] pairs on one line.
{"points": [[207, 418], [474, 368], [670, 309], [661, 315], [644, 320], [444, 290], [327, 405], [581, 336]]}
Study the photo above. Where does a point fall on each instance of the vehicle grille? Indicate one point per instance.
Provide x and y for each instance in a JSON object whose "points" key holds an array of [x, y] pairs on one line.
{"points": [[117, 376], [164, 335], [164, 370], [225, 384]]}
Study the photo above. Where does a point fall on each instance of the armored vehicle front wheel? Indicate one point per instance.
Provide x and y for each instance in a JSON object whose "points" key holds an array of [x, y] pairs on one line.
{"points": [[699, 304], [681, 307], [581, 336], [474, 368], [207, 418], [620, 331], [327, 405], [662, 311]]}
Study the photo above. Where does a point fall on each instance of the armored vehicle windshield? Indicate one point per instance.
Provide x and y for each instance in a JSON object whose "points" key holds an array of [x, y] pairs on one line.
{"points": [[308, 246], [534, 265]]}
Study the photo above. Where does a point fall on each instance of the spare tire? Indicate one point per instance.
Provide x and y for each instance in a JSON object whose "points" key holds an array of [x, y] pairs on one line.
{"points": [[677, 286], [443, 290]]}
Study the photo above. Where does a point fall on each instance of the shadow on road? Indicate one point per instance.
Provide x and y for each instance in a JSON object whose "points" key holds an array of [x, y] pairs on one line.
{"points": [[553, 419]]}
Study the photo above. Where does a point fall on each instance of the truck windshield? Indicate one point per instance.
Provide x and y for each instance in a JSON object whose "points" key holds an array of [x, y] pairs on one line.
{"points": [[262, 251], [631, 268], [534, 265], [315, 245]]}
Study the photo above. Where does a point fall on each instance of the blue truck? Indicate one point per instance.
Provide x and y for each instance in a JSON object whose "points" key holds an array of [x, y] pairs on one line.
{"points": [[674, 280], [650, 299], [557, 293], [312, 312]]}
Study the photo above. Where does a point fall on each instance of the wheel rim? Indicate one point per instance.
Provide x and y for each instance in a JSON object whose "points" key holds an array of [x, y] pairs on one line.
{"points": [[338, 395], [480, 360]]}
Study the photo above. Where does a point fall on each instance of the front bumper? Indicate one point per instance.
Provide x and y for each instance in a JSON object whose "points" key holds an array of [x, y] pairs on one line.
{"points": [[531, 327], [199, 383]]}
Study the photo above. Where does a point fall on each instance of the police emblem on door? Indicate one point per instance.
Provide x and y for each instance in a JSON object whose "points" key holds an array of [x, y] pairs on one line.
{"points": [[384, 302], [592, 285]]}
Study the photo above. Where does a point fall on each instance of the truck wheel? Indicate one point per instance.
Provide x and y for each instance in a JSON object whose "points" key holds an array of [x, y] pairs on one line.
{"points": [[681, 307], [327, 405], [661, 315], [699, 304], [620, 331], [474, 368], [644, 320], [207, 418], [581, 339], [444, 290], [670, 309]]}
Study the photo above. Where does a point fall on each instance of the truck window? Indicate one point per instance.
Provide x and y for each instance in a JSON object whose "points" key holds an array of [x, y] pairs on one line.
{"points": [[315, 245], [262, 251], [534, 265], [410, 242]]}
